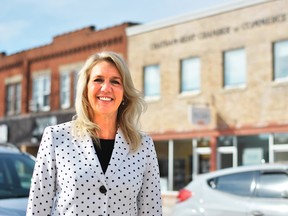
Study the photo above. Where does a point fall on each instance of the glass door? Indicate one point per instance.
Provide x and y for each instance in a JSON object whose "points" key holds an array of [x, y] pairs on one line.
{"points": [[226, 152], [201, 156], [162, 149], [226, 157], [280, 148]]}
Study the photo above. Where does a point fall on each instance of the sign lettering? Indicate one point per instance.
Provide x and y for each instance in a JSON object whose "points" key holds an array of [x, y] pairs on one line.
{"points": [[279, 18]]}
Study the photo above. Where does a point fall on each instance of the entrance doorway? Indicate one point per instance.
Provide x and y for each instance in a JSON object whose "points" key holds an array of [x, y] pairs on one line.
{"points": [[227, 157], [279, 148]]}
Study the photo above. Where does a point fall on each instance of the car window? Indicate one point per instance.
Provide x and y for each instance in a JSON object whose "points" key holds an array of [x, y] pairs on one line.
{"points": [[272, 185], [238, 184], [15, 175]]}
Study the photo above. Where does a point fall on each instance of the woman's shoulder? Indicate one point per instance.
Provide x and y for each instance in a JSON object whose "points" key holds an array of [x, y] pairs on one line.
{"points": [[146, 139], [66, 126], [147, 145], [145, 135]]}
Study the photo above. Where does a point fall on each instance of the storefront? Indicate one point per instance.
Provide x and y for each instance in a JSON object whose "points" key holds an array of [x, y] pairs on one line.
{"points": [[254, 149]]}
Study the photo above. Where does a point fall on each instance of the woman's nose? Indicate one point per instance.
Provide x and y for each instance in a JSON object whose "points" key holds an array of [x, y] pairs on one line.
{"points": [[106, 87]]}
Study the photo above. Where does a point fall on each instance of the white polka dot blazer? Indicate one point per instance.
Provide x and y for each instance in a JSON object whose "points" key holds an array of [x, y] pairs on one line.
{"points": [[68, 178]]}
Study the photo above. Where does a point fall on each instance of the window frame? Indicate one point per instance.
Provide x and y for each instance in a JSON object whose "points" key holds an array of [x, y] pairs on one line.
{"points": [[233, 84], [42, 80], [191, 89], [72, 70], [65, 101], [260, 189], [13, 102], [275, 62], [213, 183], [156, 93]]}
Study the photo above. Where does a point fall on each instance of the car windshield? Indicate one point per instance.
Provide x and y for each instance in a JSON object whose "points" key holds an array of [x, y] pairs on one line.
{"points": [[15, 175]]}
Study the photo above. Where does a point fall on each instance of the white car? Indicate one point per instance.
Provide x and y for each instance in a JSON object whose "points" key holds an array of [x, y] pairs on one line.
{"points": [[260, 190], [16, 170]]}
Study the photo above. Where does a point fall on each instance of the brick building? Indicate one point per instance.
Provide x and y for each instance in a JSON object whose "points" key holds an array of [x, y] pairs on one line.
{"points": [[37, 86], [216, 83]]}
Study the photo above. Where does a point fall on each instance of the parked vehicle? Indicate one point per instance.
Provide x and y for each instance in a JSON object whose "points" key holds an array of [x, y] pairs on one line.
{"points": [[260, 190], [16, 170]]}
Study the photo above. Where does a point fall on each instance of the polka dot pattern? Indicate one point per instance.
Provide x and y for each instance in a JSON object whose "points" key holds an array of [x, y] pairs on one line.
{"points": [[68, 178]]}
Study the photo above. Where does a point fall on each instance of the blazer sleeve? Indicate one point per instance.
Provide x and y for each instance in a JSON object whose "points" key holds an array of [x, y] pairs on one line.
{"points": [[149, 197], [42, 191]]}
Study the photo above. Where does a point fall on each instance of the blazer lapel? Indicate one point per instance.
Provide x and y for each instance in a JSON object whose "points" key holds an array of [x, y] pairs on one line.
{"points": [[120, 151], [85, 145]]}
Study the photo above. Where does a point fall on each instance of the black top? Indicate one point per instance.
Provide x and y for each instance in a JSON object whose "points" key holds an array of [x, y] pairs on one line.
{"points": [[104, 153]]}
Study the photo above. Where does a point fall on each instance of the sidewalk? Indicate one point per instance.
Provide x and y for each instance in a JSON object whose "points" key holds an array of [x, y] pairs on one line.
{"points": [[168, 200]]}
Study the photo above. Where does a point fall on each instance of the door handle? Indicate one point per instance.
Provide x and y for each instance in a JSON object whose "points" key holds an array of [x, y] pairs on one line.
{"points": [[256, 213]]}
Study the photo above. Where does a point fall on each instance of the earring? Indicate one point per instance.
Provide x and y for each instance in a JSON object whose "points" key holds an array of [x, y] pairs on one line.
{"points": [[124, 101]]}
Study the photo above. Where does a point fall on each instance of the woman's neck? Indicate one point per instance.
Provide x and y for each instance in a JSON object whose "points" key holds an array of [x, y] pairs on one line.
{"points": [[108, 127]]}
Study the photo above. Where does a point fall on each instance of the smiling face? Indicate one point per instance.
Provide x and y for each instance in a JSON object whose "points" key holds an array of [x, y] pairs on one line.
{"points": [[105, 89]]}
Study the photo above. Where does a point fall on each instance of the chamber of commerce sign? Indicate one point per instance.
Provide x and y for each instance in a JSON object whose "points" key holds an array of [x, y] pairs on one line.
{"points": [[225, 30]]}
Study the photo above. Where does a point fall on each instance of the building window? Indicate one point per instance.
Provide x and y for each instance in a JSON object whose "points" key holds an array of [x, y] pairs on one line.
{"points": [[190, 75], [253, 149], [68, 83], [13, 99], [41, 93], [152, 81], [162, 149], [281, 60], [279, 151], [182, 163], [75, 80], [242, 150], [65, 81], [180, 159], [235, 68]]}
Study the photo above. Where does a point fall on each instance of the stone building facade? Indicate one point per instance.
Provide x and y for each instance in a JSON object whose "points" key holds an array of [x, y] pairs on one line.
{"points": [[216, 84]]}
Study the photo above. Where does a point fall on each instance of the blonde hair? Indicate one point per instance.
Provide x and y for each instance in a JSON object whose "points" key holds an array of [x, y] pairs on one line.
{"points": [[128, 113]]}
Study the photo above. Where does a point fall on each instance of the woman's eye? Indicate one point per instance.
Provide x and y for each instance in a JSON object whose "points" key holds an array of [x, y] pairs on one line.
{"points": [[98, 80], [115, 82]]}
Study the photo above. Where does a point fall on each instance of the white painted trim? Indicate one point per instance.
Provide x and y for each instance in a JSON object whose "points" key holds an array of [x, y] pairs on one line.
{"points": [[212, 11], [13, 79]]}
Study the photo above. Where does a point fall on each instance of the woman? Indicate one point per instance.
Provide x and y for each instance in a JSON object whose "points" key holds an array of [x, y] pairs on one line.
{"points": [[99, 163]]}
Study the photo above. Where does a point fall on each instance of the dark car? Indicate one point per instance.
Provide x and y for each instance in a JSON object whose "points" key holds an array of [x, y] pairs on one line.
{"points": [[16, 170]]}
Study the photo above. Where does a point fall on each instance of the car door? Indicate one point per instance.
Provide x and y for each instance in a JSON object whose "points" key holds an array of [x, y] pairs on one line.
{"points": [[228, 195], [271, 195], [223, 204]]}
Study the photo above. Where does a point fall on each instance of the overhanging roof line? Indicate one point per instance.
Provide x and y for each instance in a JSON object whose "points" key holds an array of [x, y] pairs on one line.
{"points": [[226, 7]]}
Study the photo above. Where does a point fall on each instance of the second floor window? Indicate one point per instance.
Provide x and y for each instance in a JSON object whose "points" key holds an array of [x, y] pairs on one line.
{"points": [[281, 60], [13, 98], [190, 75], [75, 80], [235, 68], [152, 81], [65, 81], [68, 74], [41, 93]]}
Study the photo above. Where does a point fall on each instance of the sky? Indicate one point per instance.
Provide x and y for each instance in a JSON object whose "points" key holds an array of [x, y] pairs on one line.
{"points": [[26, 24]]}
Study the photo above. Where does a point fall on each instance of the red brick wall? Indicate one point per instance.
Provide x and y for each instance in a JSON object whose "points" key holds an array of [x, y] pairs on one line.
{"points": [[64, 49]]}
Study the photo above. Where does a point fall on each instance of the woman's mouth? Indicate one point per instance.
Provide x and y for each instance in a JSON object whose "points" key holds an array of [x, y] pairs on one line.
{"points": [[105, 98]]}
